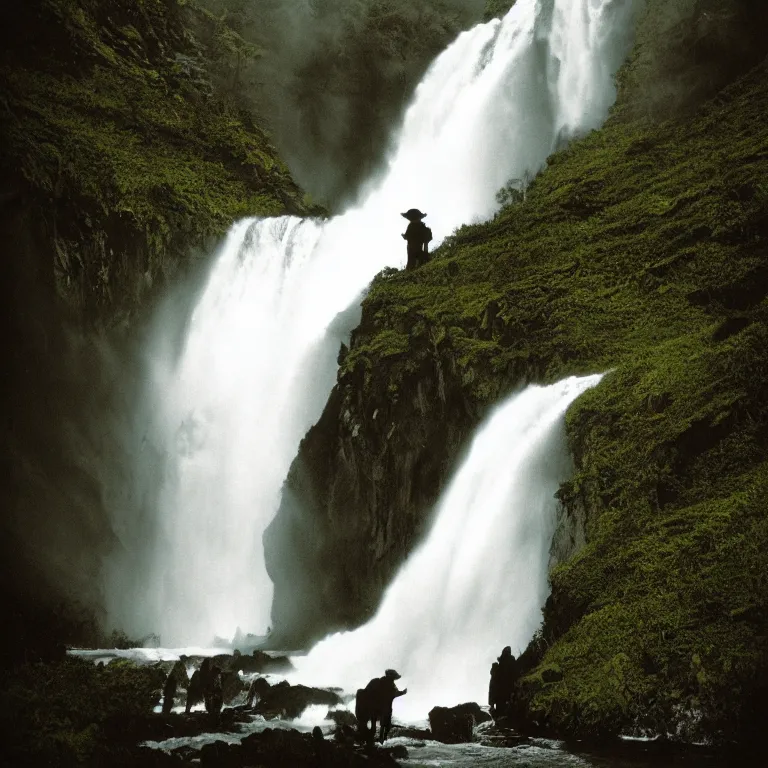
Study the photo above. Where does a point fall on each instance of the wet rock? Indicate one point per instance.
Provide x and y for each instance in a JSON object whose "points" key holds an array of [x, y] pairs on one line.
{"points": [[341, 717], [492, 734], [278, 748], [231, 686], [405, 732], [452, 725], [291, 700], [261, 663], [398, 752], [257, 690], [221, 754], [158, 727], [474, 709]]}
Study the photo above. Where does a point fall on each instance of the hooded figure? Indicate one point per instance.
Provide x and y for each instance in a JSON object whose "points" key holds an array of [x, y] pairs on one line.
{"points": [[418, 235]]}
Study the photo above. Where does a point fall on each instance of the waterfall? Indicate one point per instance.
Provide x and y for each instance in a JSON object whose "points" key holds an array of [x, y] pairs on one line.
{"points": [[478, 581], [259, 356]]}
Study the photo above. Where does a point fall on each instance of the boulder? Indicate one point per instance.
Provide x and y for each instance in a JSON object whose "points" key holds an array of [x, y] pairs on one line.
{"points": [[497, 735], [452, 725], [291, 700], [221, 754], [276, 748], [406, 732], [262, 663], [341, 717]]}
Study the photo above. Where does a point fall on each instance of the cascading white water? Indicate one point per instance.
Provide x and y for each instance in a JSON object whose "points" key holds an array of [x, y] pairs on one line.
{"points": [[259, 358], [479, 580]]}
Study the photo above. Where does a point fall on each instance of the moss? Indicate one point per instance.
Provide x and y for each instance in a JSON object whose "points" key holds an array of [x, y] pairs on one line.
{"points": [[131, 152]]}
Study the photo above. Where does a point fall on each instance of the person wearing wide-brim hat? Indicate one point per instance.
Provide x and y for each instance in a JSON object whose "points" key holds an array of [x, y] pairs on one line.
{"points": [[389, 692], [418, 235]]}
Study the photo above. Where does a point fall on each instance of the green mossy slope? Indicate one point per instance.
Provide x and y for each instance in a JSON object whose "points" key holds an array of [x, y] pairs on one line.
{"points": [[641, 250], [121, 144]]}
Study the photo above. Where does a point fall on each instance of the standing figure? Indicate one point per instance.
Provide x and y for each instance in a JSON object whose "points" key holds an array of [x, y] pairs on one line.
{"points": [[507, 677], [374, 703], [418, 235], [213, 693], [177, 676], [198, 684], [495, 690]]}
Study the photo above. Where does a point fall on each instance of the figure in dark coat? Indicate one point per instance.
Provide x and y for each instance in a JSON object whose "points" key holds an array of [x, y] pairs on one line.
{"points": [[374, 703], [198, 684], [418, 235], [214, 692], [495, 692], [507, 678], [176, 677]]}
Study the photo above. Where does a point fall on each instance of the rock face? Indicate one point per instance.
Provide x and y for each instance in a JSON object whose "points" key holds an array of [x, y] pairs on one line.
{"points": [[357, 499]]}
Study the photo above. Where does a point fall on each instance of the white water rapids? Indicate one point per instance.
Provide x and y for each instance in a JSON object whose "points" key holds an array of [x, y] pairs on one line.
{"points": [[259, 357]]}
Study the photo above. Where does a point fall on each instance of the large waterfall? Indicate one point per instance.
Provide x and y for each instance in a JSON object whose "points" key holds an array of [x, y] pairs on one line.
{"points": [[479, 580], [259, 356]]}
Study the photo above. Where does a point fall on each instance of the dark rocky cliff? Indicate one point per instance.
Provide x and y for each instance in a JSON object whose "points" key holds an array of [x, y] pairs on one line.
{"points": [[640, 249]]}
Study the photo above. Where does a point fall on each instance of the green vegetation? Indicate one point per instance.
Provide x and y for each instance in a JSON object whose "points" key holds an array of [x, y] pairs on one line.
{"points": [[115, 122], [640, 250], [70, 712]]}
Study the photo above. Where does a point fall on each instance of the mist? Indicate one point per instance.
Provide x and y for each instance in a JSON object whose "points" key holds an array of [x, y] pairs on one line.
{"points": [[335, 77]]}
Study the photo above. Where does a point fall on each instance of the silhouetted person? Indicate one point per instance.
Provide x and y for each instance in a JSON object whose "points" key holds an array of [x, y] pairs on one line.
{"points": [[507, 677], [197, 685], [169, 693], [177, 676], [418, 235], [495, 691], [374, 703], [213, 693]]}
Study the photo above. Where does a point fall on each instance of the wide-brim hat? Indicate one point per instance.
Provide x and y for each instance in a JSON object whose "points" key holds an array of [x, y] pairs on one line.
{"points": [[391, 673], [414, 214]]}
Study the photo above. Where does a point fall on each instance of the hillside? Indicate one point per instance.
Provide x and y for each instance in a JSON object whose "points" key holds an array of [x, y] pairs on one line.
{"points": [[640, 251]]}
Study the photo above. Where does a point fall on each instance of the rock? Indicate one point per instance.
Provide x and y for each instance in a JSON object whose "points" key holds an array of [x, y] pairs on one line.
{"points": [[495, 735], [263, 663], [474, 709], [551, 676], [278, 748], [398, 752], [452, 725], [221, 754], [291, 700], [231, 686], [410, 733], [341, 717]]}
